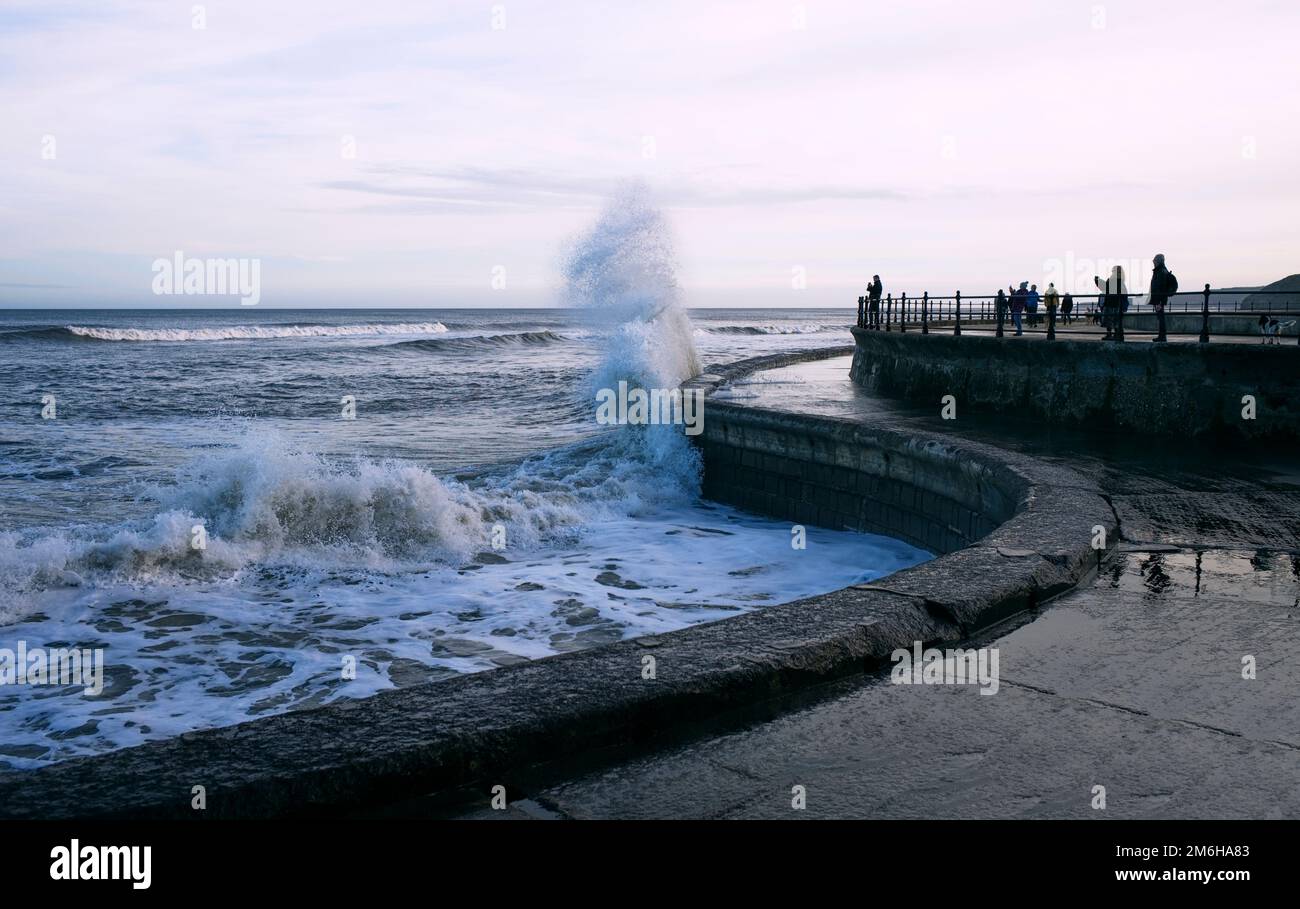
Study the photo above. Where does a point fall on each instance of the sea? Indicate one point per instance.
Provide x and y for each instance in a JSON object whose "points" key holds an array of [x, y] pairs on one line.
{"points": [[251, 510]]}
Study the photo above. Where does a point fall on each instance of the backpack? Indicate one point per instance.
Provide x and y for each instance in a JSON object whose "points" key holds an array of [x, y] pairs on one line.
{"points": [[1171, 283]]}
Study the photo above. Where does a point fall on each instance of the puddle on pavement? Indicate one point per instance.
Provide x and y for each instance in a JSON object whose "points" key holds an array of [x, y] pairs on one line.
{"points": [[1258, 577]]}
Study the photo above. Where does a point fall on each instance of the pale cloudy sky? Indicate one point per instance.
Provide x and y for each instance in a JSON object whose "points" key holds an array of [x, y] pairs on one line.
{"points": [[945, 145]]}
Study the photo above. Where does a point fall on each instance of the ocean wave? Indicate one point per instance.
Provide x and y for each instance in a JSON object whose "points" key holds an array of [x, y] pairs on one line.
{"points": [[807, 329], [253, 332], [44, 333], [266, 503], [479, 342]]}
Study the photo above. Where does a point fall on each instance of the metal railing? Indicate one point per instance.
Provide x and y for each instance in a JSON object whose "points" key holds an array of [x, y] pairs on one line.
{"points": [[926, 313]]}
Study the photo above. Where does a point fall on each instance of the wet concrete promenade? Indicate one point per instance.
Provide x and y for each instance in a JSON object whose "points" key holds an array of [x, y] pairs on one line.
{"points": [[1134, 683]]}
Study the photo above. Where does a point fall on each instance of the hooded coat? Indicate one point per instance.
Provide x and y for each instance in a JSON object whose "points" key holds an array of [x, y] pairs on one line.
{"points": [[1161, 286]]}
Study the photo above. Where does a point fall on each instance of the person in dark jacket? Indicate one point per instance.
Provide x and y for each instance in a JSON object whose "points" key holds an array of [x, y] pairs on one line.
{"points": [[1163, 284], [1018, 298], [1067, 307], [1114, 301], [873, 302]]}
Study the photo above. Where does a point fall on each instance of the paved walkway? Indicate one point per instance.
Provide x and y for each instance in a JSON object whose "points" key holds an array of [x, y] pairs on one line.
{"points": [[1134, 684], [1086, 332]]}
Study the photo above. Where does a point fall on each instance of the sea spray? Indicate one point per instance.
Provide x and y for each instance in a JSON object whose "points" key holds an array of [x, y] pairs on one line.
{"points": [[623, 274]]}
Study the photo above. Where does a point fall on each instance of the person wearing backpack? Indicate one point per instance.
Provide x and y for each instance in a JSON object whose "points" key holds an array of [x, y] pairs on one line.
{"points": [[1163, 286]]}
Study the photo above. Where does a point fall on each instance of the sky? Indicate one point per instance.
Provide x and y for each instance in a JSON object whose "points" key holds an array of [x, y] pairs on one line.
{"points": [[384, 153]]}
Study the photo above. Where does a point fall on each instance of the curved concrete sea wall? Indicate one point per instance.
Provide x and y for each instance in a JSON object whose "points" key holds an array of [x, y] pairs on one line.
{"points": [[1013, 532], [849, 477], [1184, 389]]}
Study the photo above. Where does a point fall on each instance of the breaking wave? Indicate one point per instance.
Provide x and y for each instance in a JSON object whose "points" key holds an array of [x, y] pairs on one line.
{"points": [[252, 332], [520, 339], [267, 503], [808, 329]]}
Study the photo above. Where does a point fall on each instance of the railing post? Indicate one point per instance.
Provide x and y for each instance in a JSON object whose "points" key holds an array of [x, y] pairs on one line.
{"points": [[889, 310], [925, 313], [1051, 323], [999, 314], [956, 328], [902, 312], [860, 312], [1205, 317]]}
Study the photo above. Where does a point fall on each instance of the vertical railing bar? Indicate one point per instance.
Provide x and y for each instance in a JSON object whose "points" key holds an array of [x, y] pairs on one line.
{"points": [[1205, 317]]}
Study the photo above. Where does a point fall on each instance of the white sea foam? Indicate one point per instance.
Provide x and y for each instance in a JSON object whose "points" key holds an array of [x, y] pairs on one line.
{"points": [[214, 653], [257, 332]]}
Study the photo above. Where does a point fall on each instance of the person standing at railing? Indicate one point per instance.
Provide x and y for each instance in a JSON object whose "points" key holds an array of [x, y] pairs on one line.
{"points": [[1101, 316], [1051, 302], [1113, 303], [873, 302], [1018, 298], [1163, 286], [1031, 305], [1067, 308], [1000, 310]]}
